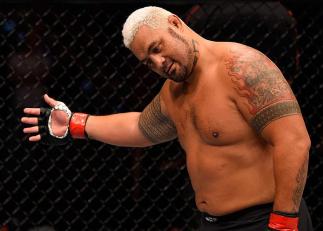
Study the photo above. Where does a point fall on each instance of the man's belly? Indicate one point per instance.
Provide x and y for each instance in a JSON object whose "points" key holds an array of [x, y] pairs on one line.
{"points": [[228, 181]]}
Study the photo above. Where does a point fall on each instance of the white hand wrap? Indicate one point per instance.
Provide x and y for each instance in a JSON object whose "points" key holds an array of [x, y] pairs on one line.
{"points": [[61, 107]]}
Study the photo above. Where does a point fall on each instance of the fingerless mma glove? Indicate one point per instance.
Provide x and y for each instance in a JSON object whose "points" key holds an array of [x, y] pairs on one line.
{"points": [[280, 221], [75, 127]]}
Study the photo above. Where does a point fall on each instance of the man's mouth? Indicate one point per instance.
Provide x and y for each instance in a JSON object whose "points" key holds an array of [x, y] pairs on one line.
{"points": [[169, 68]]}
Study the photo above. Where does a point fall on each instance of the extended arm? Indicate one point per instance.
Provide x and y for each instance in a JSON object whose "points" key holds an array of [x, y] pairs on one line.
{"points": [[117, 129], [132, 129], [268, 104]]}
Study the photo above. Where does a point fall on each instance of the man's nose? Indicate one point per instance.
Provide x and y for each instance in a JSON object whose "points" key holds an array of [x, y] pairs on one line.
{"points": [[158, 61]]}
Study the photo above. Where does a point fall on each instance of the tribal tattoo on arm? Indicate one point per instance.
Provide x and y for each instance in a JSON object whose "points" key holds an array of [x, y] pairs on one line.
{"points": [[155, 125], [268, 97], [261, 83], [300, 180]]}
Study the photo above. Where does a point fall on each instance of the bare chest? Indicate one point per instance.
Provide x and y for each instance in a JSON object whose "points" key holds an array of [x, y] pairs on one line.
{"points": [[208, 117]]}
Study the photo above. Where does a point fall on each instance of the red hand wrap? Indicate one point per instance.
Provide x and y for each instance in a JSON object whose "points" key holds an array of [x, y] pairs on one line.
{"points": [[283, 223], [77, 125]]}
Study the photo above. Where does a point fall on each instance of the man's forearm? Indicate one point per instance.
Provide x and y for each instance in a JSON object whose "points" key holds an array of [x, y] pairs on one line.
{"points": [[290, 170], [117, 129]]}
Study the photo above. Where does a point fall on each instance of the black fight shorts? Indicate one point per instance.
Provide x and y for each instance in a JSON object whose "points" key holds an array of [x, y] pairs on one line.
{"points": [[251, 219]]}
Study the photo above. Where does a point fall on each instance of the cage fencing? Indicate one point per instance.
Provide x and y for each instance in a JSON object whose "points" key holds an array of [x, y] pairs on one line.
{"points": [[73, 51]]}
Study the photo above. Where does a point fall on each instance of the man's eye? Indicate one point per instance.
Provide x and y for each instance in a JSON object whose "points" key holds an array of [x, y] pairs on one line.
{"points": [[156, 49]]}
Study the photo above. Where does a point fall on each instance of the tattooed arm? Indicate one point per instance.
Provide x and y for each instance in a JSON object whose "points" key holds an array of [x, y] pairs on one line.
{"points": [[133, 129], [267, 102]]}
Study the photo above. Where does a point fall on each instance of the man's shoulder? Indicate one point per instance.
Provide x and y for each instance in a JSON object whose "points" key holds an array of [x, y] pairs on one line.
{"points": [[234, 48], [165, 89]]}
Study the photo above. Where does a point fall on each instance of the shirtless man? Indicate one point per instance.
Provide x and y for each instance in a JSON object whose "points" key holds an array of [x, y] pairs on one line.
{"points": [[232, 111]]}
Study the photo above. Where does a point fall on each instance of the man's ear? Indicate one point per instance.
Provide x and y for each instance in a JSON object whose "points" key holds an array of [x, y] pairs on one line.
{"points": [[175, 21]]}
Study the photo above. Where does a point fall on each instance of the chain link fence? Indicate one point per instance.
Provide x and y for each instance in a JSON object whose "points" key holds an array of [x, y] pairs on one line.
{"points": [[74, 52]]}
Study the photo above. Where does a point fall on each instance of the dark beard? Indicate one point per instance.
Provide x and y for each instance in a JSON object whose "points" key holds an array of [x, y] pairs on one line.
{"points": [[183, 72], [179, 77]]}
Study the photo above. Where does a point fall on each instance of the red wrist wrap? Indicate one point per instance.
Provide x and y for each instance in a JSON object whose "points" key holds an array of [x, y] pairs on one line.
{"points": [[283, 223], [77, 125]]}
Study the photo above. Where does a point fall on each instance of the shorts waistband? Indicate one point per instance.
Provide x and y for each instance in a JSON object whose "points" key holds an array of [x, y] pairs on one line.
{"points": [[251, 212]]}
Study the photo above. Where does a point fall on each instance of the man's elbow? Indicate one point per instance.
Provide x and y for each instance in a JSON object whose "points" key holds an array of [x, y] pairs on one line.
{"points": [[308, 142], [294, 142], [303, 143]]}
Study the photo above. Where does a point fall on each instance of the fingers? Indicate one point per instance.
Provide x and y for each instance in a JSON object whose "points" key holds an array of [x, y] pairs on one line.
{"points": [[29, 120], [34, 138], [30, 130], [32, 111], [37, 113], [50, 101], [34, 129]]}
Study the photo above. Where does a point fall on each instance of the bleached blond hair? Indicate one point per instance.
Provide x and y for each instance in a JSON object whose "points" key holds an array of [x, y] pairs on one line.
{"points": [[152, 16]]}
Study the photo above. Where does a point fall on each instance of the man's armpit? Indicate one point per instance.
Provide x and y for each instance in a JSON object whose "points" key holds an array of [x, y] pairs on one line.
{"points": [[155, 125], [273, 112]]}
